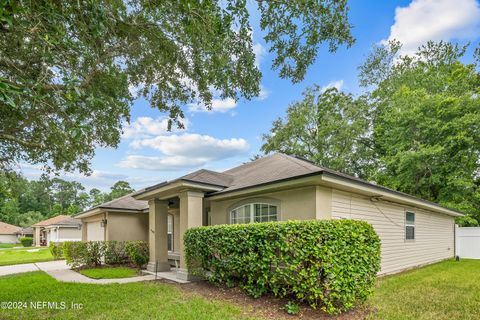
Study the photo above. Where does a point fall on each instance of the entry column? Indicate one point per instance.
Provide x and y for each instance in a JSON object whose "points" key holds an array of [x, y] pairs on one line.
{"points": [[191, 215], [157, 235]]}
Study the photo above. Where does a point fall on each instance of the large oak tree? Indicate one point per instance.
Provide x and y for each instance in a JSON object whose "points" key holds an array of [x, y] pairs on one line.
{"points": [[70, 70]]}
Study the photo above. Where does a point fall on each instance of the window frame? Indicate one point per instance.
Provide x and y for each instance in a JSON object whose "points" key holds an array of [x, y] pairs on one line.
{"points": [[252, 211], [409, 224]]}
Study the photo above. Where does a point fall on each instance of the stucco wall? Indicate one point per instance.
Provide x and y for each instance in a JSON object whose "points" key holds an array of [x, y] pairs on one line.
{"points": [[434, 235], [8, 238], [127, 226], [296, 204]]}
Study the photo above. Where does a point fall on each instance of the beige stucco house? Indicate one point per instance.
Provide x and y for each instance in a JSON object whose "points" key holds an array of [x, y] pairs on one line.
{"points": [[57, 229], [9, 233], [280, 187], [121, 219]]}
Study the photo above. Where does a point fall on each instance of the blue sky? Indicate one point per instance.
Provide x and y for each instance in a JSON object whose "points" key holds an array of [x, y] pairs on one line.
{"points": [[231, 133]]}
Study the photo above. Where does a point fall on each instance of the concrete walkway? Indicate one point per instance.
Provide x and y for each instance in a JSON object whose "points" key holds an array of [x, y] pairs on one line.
{"points": [[62, 272]]}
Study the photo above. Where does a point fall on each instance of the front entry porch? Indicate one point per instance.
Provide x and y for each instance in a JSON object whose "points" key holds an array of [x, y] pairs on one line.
{"points": [[170, 216]]}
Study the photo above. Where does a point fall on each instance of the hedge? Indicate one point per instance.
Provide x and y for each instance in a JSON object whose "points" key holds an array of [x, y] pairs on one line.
{"points": [[56, 250], [95, 253], [328, 264], [26, 241]]}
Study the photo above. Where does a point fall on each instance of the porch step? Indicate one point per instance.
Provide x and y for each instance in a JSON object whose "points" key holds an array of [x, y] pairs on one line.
{"points": [[167, 275]]}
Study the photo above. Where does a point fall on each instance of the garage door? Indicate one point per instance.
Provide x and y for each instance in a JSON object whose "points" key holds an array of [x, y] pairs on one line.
{"points": [[95, 231], [7, 238]]}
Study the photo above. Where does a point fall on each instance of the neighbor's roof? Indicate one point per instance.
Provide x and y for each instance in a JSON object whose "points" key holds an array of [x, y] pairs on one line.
{"points": [[271, 169], [127, 203], [58, 220], [6, 228], [28, 230]]}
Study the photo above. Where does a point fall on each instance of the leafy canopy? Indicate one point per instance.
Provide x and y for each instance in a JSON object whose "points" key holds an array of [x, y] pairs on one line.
{"points": [[70, 70], [328, 127], [416, 129]]}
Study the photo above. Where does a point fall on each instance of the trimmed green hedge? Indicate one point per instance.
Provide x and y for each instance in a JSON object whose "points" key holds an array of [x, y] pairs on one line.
{"points": [[94, 253], [330, 264], [26, 241]]}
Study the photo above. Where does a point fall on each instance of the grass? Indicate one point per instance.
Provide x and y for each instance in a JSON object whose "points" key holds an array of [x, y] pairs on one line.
{"points": [[141, 300], [446, 290], [109, 272], [9, 245], [22, 255]]}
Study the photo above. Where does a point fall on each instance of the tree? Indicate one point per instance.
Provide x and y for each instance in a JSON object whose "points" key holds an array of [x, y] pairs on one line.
{"points": [[426, 131], [415, 130], [69, 70], [120, 189], [330, 128], [96, 197]]}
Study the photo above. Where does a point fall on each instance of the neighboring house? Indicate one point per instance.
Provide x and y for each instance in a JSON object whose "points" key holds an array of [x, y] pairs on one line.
{"points": [[121, 219], [26, 232], [9, 233], [57, 229]]}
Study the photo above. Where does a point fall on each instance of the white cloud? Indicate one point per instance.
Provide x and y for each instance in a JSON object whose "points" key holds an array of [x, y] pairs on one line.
{"points": [[183, 151], [147, 126], [259, 52], [264, 93], [334, 84], [218, 105], [424, 20], [160, 163]]}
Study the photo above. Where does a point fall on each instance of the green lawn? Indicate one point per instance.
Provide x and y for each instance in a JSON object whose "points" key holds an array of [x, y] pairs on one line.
{"points": [[447, 290], [9, 245], [22, 255], [147, 300], [109, 273]]}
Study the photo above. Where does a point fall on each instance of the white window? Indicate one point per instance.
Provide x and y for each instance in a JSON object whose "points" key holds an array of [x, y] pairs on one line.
{"points": [[254, 212], [409, 225], [170, 232]]}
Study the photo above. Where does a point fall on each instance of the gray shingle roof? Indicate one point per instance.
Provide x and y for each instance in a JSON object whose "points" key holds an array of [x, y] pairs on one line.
{"points": [[125, 202], [269, 169]]}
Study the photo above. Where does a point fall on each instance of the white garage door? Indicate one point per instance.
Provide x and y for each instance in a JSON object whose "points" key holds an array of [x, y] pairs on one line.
{"points": [[7, 238], [95, 231]]}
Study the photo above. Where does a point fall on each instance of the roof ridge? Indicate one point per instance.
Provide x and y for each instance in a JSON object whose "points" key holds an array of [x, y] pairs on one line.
{"points": [[247, 164], [300, 161]]}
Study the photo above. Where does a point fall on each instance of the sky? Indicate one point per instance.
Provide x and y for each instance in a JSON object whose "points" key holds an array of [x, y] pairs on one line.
{"points": [[231, 133]]}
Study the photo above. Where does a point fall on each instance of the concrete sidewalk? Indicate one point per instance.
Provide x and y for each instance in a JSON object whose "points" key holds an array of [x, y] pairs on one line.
{"points": [[62, 272]]}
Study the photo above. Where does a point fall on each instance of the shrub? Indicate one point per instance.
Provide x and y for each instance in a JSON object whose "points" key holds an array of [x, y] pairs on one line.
{"points": [[26, 241], [75, 253], [137, 252], [56, 250], [114, 252], [331, 264], [92, 253]]}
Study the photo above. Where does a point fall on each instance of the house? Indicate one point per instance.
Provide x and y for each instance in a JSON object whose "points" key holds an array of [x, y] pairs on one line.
{"points": [[9, 233], [57, 229], [26, 232], [121, 219], [278, 187]]}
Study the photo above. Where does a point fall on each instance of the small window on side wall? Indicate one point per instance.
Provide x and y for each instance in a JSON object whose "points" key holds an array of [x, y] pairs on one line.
{"points": [[409, 225]]}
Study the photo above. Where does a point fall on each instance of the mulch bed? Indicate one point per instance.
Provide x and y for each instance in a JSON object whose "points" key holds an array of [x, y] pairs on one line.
{"points": [[266, 307]]}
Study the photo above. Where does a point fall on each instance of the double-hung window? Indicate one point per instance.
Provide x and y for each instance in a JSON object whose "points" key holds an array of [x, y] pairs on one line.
{"points": [[409, 225]]}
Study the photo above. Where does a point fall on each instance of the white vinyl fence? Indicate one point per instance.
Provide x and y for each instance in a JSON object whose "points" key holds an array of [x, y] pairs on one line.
{"points": [[467, 241]]}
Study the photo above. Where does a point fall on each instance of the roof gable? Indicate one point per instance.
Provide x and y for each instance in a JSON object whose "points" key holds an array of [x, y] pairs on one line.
{"points": [[6, 228], [58, 220]]}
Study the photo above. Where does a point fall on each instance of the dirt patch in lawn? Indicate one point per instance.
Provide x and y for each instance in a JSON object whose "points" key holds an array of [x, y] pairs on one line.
{"points": [[266, 307]]}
